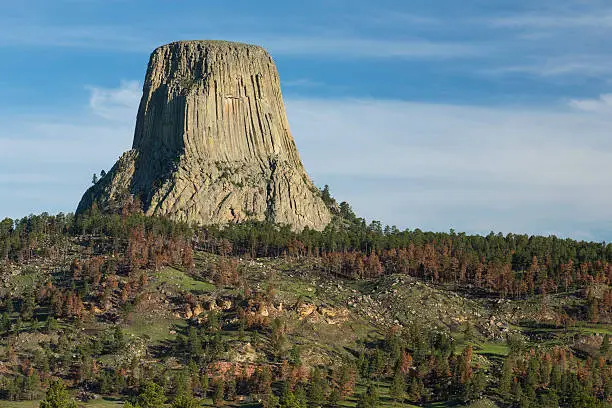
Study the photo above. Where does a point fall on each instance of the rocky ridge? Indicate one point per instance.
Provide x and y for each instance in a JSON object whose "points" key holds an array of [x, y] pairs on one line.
{"points": [[212, 143]]}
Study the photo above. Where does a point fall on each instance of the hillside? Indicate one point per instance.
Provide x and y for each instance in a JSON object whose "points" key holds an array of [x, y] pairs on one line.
{"points": [[127, 308]]}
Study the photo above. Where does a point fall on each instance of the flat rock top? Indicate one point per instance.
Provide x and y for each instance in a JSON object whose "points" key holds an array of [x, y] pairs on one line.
{"points": [[211, 44]]}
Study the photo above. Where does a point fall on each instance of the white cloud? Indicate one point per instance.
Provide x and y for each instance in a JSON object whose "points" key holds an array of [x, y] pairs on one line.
{"points": [[355, 47], [22, 33], [26, 33], [603, 104], [46, 163], [564, 40], [600, 19], [40, 141], [116, 104], [551, 66], [387, 17], [468, 167], [302, 83], [26, 178], [568, 39]]}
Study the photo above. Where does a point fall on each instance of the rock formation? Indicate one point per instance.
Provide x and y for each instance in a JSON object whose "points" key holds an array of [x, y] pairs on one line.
{"points": [[212, 143]]}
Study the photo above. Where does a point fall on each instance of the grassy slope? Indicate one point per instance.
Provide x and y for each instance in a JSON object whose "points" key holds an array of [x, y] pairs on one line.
{"points": [[373, 307]]}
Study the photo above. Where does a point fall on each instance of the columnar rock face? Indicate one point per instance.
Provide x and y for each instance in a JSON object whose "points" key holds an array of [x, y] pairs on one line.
{"points": [[212, 143]]}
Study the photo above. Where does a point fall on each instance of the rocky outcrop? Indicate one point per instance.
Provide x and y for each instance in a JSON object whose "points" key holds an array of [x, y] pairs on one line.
{"points": [[212, 143]]}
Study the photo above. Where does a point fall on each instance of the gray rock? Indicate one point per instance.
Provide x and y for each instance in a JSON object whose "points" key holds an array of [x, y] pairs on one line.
{"points": [[212, 143]]}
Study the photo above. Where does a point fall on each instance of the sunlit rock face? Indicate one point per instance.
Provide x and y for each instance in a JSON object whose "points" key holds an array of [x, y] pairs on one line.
{"points": [[212, 143]]}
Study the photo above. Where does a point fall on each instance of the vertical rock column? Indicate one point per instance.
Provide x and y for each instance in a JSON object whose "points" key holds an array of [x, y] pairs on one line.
{"points": [[212, 142]]}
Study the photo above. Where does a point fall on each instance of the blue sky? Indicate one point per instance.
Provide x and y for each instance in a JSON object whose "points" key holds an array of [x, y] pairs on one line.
{"points": [[474, 115]]}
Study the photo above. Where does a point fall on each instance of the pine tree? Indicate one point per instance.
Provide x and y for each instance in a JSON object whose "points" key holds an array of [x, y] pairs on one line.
{"points": [[230, 388], [204, 382], [468, 332], [180, 384], [300, 396], [285, 391], [185, 401], [295, 356], [524, 401], [398, 386], [533, 372], [346, 380], [5, 323], [27, 307], [548, 400], [593, 310], [151, 396], [51, 324], [10, 387], [326, 196], [118, 339], [507, 375], [368, 399], [57, 397], [416, 389], [465, 365], [334, 398], [217, 395], [604, 349], [32, 385], [290, 401], [518, 391], [315, 391], [271, 401]]}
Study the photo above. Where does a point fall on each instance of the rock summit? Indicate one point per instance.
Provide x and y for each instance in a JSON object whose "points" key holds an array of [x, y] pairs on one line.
{"points": [[212, 143]]}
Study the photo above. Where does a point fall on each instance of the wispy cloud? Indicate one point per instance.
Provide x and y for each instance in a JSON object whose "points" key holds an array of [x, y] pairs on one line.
{"points": [[18, 33], [46, 162], [603, 104], [116, 104], [356, 47], [26, 178], [468, 167], [385, 18], [569, 39], [302, 83], [598, 19], [550, 66]]}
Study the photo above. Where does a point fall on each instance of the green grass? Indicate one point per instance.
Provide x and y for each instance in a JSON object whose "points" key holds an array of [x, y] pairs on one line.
{"points": [[97, 403], [19, 404], [560, 334], [180, 280], [105, 402], [596, 329], [386, 401], [27, 279], [156, 329], [496, 349], [483, 403], [297, 288], [102, 403]]}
